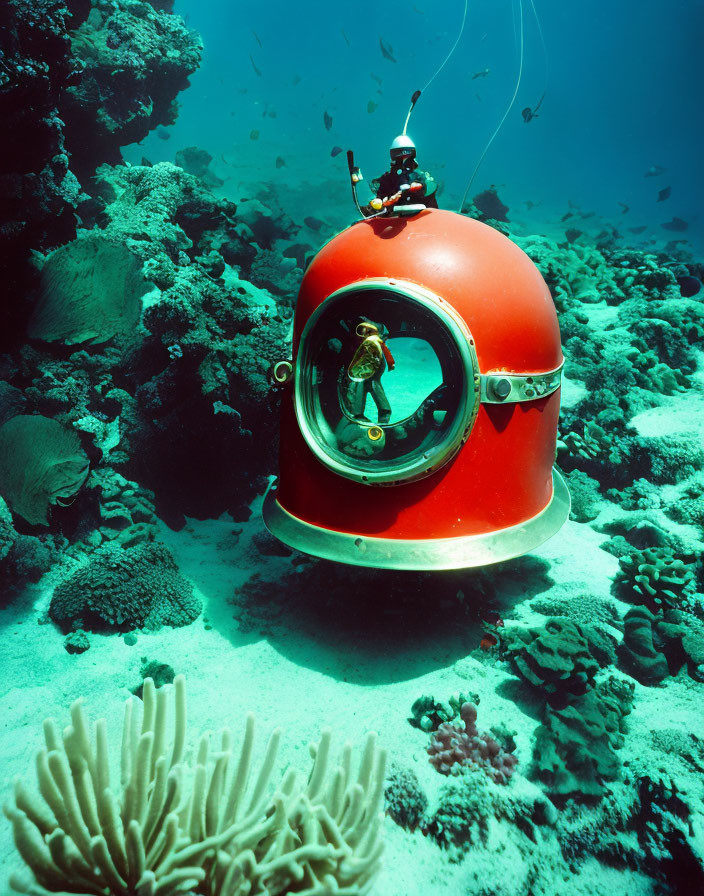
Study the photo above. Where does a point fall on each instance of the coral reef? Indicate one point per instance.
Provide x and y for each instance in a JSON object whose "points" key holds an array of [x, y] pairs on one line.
{"points": [[23, 558], [78, 81], [76, 642], [655, 646], [136, 59], [231, 839], [125, 588], [451, 746]]}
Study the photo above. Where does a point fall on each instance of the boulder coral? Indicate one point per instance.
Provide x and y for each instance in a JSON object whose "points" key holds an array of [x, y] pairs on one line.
{"points": [[125, 588]]}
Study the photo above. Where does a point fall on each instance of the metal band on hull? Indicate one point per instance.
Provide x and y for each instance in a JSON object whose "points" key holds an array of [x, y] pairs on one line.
{"points": [[443, 553]]}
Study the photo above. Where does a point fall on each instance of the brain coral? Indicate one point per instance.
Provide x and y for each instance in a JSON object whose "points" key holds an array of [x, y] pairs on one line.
{"points": [[128, 588], [90, 291], [41, 463]]}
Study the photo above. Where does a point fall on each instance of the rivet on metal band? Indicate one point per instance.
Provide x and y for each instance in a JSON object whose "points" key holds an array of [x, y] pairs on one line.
{"points": [[501, 387]]}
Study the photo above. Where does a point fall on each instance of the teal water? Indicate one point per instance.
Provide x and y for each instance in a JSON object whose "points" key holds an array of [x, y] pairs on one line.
{"points": [[276, 721]]}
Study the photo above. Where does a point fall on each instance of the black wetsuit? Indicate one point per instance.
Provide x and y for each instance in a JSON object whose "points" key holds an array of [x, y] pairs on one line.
{"points": [[390, 182]]}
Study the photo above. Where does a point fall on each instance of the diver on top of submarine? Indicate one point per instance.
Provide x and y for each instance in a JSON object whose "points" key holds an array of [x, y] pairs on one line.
{"points": [[404, 183]]}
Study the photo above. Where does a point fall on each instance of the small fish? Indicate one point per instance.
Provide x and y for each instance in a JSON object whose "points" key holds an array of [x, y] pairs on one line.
{"points": [[654, 171], [689, 286], [664, 194], [387, 51], [572, 234], [254, 135], [280, 161], [163, 134], [676, 224], [528, 114], [254, 66], [296, 79], [256, 36], [271, 113], [313, 223], [347, 40], [482, 74], [376, 78], [626, 208], [371, 106], [572, 203], [567, 215], [335, 151], [530, 204], [327, 119], [419, 11], [488, 641], [641, 229]]}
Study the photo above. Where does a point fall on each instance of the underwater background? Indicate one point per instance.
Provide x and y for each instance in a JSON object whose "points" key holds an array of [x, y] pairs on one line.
{"points": [[166, 174]]}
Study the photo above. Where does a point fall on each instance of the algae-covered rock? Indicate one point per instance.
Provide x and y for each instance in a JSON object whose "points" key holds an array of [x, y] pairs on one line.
{"points": [[90, 291], [41, 464]]}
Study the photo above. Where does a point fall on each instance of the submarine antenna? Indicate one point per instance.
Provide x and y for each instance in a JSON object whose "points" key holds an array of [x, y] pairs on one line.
{"points": [[416, 95], [505, 115]]}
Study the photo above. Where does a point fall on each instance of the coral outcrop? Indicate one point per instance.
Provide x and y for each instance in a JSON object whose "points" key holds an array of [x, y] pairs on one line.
{"points": [[575, 747], [451, 746], [124, 588]]}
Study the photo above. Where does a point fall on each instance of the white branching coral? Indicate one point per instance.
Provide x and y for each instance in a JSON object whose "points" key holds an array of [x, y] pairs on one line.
{"points": [[204, 824]]}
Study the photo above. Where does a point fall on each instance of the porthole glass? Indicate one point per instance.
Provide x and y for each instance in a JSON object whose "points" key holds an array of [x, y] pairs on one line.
{"points": [[385, 383]]}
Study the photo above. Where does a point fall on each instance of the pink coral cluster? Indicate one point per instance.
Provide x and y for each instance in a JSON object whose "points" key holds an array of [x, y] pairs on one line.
{"points": [[450, 746]]}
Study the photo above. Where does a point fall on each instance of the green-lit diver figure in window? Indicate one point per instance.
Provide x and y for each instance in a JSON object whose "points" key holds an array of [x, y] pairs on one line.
{"points": [[369, 362]]}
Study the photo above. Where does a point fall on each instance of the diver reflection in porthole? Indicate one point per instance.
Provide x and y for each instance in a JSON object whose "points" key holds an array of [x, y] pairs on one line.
{"points": [[371, 359]]}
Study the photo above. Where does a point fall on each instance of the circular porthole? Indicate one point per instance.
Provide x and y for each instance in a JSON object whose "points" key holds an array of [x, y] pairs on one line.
{"points": [[386, 382]]}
